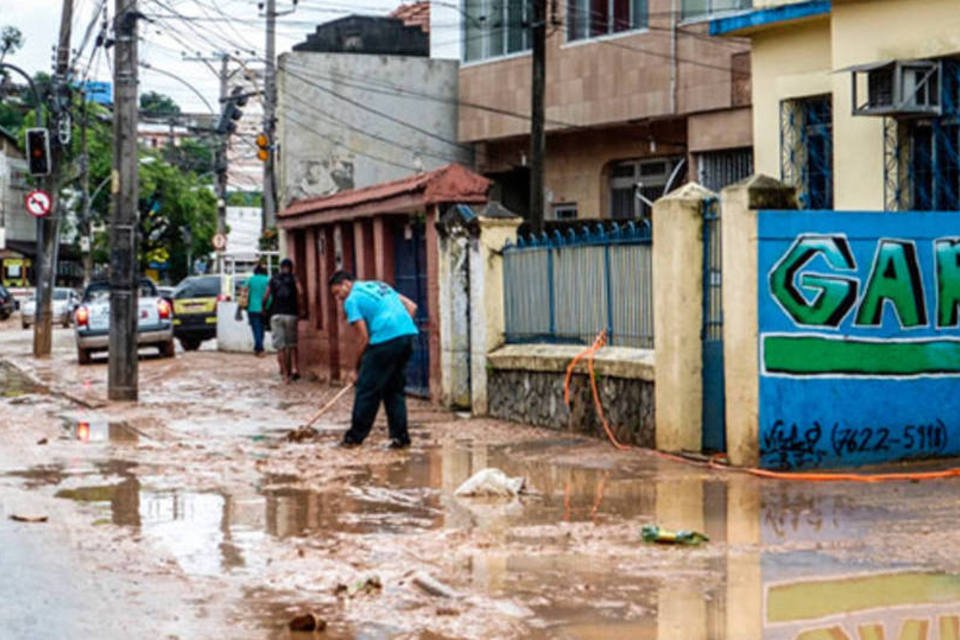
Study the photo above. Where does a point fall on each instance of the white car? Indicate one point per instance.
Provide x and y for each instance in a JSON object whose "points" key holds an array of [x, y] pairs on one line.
{"points": [[154, 320], [62, 306]]}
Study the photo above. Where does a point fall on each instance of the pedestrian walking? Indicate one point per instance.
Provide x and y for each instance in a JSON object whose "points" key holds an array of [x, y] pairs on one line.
{"points": [[257, 287], [383, 331], [284, 295]]}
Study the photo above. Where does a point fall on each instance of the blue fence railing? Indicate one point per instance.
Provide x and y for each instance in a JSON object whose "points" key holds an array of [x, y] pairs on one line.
{"points": [[566, 288]]}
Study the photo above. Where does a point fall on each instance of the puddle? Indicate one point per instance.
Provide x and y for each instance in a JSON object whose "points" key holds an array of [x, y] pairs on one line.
{"points": [[100, 430], [14, 384]]}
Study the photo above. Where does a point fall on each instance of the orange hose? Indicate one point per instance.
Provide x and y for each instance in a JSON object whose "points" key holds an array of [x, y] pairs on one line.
{"points": [[795, 476]]}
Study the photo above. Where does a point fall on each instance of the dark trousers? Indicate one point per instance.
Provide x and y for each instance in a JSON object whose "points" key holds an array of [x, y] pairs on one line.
{"points": [[256, 324], [382, 378]]}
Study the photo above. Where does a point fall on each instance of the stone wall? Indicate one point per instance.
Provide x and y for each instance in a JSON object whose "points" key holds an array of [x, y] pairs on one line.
{"points": [[525, 384]]}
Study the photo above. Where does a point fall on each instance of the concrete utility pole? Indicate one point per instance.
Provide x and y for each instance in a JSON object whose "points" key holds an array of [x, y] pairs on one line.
{"points": [[123, 374], [269, 116], [85, 189], [221, 161], [48, 228], [538, 138]]}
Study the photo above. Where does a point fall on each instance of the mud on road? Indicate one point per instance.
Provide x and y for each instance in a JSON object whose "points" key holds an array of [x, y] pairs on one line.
{"points": [[190, 515]]}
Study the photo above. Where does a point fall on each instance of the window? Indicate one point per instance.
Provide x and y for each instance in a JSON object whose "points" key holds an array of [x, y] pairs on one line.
{"points": [[592, 18], [718, 169], [493, 28], [636, 183], [565, 211], [922, 155], [693, 9], [806, 152]]}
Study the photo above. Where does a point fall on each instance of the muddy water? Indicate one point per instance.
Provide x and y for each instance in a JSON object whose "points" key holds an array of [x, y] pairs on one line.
{"points": [[784, 562]]}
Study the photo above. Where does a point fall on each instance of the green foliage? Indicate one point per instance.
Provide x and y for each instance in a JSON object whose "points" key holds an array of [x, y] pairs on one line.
{"points": [[158, 105], [270, 240], [194, 155], [244, 199], [11, 40]]}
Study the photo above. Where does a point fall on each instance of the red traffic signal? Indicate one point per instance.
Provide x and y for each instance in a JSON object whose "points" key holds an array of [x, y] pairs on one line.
{"points": [[38, 152]]}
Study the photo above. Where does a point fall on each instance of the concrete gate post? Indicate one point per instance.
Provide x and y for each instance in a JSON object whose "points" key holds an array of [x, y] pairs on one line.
{"points": [[678, 317], [740, 203]]}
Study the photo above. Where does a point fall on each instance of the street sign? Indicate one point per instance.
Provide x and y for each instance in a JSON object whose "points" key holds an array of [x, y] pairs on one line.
{"points": [[38, 203], [219, 242]]}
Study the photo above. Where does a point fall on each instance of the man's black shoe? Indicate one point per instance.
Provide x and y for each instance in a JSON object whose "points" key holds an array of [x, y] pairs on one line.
{"points": [[398, 444], [348, 444]]}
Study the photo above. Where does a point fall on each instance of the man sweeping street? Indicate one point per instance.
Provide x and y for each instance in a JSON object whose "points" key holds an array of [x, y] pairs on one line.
{"points": [[383, 329]]}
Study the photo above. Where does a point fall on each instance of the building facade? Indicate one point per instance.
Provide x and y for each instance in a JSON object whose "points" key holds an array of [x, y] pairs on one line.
{"points": [[18, 230], [856, 103], [639, 98]]}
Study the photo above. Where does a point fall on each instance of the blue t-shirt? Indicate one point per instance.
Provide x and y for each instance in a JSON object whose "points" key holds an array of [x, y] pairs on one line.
{"points": [[256, 286], [380, 307]]}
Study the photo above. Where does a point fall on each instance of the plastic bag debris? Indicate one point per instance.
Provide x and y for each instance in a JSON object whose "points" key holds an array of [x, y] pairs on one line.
{"points": [[654, 533], [491, 483]]}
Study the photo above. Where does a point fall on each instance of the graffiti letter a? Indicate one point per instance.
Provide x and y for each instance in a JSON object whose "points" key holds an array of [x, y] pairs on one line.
{"points": [[834, 295]]}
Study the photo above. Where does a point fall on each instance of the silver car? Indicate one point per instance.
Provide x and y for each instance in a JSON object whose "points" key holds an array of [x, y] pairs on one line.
{"points": [[62, 306], [92, 318]]}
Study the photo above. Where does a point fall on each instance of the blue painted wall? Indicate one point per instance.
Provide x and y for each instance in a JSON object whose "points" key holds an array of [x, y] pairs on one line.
{"points": [[858, 368]]}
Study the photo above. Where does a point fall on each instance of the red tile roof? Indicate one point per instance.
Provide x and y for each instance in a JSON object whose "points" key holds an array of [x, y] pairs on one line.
{"points": [[452, 183], [416, 14]]}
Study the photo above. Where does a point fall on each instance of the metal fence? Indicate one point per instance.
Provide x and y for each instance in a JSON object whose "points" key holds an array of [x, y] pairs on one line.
{"points": [[565, 288]]}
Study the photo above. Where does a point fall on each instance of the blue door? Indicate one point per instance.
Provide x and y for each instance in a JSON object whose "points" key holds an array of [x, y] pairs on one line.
{"points": [[713, 423], [410, 273]]}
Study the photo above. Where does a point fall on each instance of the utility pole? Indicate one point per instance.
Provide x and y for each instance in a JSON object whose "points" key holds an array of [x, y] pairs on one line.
{"points": [[221, 161], [48, 228], [85, 239], [269, 116], [538, 138], [123, 374]]}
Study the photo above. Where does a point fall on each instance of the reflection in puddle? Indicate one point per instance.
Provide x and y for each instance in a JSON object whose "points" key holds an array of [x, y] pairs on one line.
{"points": [[764, 575], [100, 430]]}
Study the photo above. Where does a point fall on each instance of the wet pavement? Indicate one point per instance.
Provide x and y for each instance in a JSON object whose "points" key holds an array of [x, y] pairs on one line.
{"points": [[190, 516]]}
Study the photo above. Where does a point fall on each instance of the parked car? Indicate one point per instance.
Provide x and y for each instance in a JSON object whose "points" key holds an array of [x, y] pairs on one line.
{"points": [[195, 310], [167, 294], [154, 322], [64, 302], [7, 304]]}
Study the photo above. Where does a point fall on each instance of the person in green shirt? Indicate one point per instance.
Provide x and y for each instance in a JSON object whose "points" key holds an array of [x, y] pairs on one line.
{"points": [[256, 289]]}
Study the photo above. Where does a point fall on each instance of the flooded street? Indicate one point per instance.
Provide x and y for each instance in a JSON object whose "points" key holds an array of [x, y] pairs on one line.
{"points": [[190, 515]]}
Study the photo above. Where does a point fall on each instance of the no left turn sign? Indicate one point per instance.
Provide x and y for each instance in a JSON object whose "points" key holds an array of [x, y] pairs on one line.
{"points": [[38, 203]]}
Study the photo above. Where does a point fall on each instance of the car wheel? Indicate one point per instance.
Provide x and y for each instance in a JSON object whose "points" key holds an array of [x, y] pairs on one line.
{"points": [[83, 356], [189, 344], [24, 325], [66, 322], [4, 315], [167, 349]]}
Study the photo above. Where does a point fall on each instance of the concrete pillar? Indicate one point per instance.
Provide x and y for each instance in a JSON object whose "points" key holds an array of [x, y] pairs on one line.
{"points": [[383, 256], [433, 302], [311, 288], [455, 315], [740, 204], [678, 317], [486, 301], [362, 252]]}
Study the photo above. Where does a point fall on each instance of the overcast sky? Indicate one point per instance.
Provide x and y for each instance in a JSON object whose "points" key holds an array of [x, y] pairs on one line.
{"points": [[212, 25]]}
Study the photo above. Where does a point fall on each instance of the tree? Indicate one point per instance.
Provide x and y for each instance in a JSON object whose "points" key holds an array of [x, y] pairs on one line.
{"points": [[158, 105], [11, 40], [195, 155]]}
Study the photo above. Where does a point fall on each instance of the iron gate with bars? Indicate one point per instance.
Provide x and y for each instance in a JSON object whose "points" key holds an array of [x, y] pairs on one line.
{"points": [[711, 333]]}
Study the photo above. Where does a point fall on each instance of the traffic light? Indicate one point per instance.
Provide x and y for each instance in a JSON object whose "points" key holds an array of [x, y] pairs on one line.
{"points": [[263, 147], [38, 151], [231, 111]]}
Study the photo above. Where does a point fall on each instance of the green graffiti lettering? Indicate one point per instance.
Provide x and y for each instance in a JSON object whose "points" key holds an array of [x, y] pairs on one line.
{"points": [[835, 294], [895, 277], [947, 251]]}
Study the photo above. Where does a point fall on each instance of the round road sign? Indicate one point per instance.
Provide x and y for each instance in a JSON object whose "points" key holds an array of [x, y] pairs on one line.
{"points": [[38, 203], [219, 242]]}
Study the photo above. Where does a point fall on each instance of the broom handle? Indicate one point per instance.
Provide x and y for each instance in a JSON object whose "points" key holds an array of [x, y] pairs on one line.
{"points": [[327, 406]]}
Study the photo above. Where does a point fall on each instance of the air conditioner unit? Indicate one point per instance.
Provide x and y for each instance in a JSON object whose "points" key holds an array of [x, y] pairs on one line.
{"points": [[900, 88]]}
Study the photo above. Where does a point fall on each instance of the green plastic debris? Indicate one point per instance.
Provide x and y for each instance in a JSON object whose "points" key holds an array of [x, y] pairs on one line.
{"points": [[656, 534]]}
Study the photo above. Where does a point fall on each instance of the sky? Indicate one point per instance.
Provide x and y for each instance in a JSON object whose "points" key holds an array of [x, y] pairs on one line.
{"points": [[211, 26]]}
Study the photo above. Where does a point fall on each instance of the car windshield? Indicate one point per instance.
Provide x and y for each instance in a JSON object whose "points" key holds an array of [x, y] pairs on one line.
{"points": [[205, 287], [61, 294]]}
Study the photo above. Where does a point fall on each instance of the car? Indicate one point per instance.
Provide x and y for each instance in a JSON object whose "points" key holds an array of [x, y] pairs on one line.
{"points": [[195, 310], [64, 303], [7, 303], [92, 320], [167, 294]]}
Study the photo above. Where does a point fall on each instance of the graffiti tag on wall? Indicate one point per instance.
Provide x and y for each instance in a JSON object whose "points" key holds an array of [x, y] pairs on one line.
{"points": [[859, 323]]}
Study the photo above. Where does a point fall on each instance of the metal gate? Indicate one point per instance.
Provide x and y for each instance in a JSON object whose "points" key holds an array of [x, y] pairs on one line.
{"points": [[711, 333], [410, 272]]}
